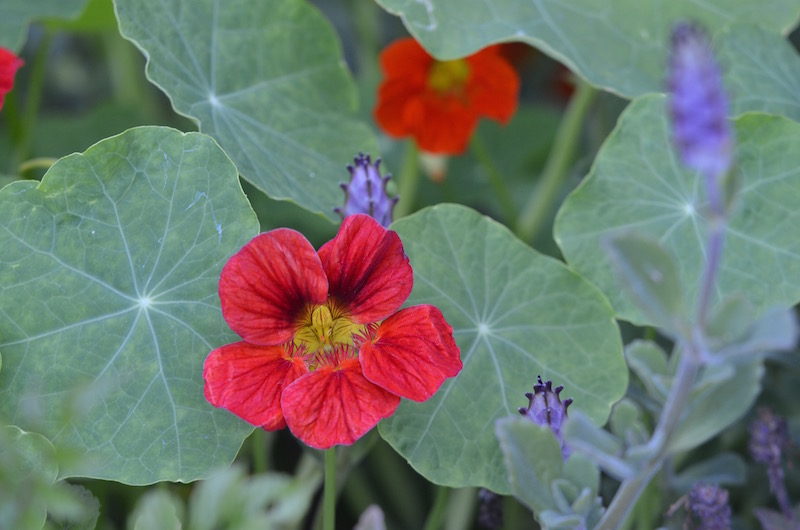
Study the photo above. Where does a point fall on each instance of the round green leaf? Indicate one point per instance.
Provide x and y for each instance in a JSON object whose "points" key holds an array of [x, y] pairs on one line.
{"points": [[108, 290], [266, 80], [515, 314], [15, 15], [762, 71], [618, 45], [637, 184]]}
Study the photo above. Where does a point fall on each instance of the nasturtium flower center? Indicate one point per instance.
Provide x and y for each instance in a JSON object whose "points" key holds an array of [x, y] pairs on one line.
{"points": [[326, 329], [448, 76]]}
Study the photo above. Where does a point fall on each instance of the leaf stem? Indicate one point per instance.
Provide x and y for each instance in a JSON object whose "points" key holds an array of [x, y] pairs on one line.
{"points": [[434, 521], [34, 98], [329, 491], [541, 203], [495, 178], [630, 489], [408, 181]]}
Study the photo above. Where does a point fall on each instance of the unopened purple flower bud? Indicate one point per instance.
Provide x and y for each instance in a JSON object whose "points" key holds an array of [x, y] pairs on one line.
{"points": [[546, 408], [709, 504], [699, 108], [366, 191]]}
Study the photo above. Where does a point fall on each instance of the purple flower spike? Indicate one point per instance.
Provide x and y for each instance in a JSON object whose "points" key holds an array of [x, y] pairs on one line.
{"points": [[769, 442], [366, 191], [699, 108], [546, 408], [709, 504]]}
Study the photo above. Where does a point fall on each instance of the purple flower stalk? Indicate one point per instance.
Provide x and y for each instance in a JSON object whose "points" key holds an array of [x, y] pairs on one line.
{"points": [[546, 408], [366, 191], [769, 440], [709, 504], [699, 109]]}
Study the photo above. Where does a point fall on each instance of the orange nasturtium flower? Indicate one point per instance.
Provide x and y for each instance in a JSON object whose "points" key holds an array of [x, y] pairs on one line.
{"points": [[325, 349], [439, 103], [9, 64]]}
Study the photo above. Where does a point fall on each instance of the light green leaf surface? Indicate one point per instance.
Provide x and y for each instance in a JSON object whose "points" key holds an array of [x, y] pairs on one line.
{"points": [[650, 276], [108, 304], [157, 509], [725, 469], [618, 45], [266, 80], [15, 15], [532, 457], [516, 314], [762, 71], [638, 184], [718, 404], [28, 470]]}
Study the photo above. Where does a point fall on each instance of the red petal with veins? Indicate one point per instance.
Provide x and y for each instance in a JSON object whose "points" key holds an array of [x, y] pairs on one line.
{"points": [[335, 405], [412, 353], [248, 381], [367, 269], [265, 286]]}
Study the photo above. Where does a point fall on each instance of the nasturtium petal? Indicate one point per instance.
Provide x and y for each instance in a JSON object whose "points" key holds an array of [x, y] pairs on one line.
{"points": [[637, 184], [18, 14], [265, 286], [335, 405], [515, 314], [412, 353], [618, 45], [108, 281], [266, 79], [248, 380], [367, 270]]}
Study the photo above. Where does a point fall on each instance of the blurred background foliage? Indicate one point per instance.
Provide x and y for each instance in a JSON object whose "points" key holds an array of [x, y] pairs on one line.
{"points": [[83, 82]]}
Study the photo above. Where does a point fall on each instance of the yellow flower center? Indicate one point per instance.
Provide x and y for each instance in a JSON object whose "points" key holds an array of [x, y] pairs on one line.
{"points": [[326, 330], [448, 76]]}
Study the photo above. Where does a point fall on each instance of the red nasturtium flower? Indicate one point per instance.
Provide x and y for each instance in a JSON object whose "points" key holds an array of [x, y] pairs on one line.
{"points": [[9, 64], [439, 103], [325, 349]]}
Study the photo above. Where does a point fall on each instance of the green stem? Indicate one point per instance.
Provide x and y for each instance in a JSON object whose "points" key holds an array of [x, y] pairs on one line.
{"points": [[407, 181], [439, 508], [541, 203], [34, 96], [329, 491], [495, 178], [36, 163], [260, 446]]}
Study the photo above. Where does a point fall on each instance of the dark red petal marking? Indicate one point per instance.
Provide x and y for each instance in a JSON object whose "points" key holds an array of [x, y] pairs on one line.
{"points": [[367, 269], [248, 381], [412, 353], [335, 405], [265, 286]]}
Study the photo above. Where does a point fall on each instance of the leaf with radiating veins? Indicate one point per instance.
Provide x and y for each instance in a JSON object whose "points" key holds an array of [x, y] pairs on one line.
{"points": [[267, 80], [515, 314], [109, 306]]}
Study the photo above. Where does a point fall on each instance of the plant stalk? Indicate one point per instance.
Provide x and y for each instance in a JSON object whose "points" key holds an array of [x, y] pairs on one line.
{"points": [[542, 202]]}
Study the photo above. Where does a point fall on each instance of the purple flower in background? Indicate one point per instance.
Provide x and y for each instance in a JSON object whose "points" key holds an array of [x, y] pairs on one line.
{"points": [[769, 441], [546, 408], [699, 108], [366, 191], [709, 504]]}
